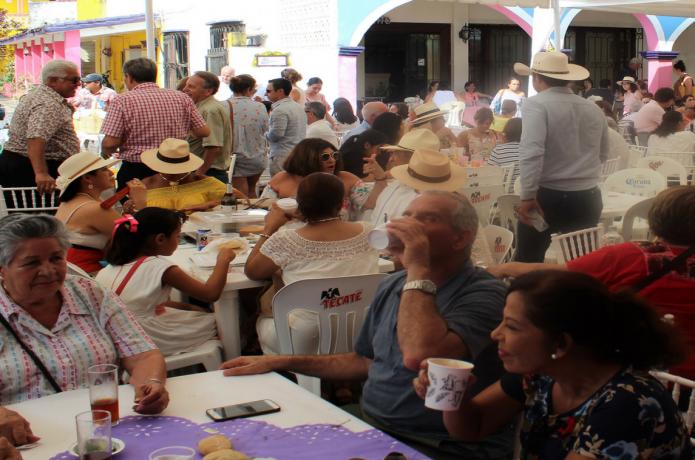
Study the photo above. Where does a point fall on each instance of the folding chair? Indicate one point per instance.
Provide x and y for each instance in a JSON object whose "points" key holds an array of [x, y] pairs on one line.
{"points": [[27, 199], [576, 244]]}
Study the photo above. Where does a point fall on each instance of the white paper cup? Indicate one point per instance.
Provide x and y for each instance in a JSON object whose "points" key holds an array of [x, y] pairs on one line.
{"points": [[289, 205], [448, 380], [378, 237]]}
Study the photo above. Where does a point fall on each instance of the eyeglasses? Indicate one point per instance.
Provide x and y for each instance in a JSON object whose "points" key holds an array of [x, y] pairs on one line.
{"points": [[73, 80], [329, 156]]}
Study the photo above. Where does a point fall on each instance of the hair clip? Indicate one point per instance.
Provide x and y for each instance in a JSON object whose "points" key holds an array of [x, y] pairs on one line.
{"points": [[127, 218]]}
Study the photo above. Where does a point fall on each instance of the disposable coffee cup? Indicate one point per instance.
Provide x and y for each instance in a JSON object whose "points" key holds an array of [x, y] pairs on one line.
{"points": [[289, 205], [448, 380]]}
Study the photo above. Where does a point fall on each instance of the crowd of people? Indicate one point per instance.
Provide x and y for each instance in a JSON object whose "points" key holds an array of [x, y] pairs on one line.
{"points": [[569, 346]]}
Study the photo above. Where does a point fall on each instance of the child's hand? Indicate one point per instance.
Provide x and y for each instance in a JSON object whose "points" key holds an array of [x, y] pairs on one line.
{"points": [[226, 255]]}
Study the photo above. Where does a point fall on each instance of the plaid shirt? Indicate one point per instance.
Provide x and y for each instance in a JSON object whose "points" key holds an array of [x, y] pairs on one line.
{"points": [[44, 114], [93, 327], [146, 115]]}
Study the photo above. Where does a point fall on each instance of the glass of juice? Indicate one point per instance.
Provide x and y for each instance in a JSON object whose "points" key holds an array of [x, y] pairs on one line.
{"points": [[103, 389], [94, 434]]}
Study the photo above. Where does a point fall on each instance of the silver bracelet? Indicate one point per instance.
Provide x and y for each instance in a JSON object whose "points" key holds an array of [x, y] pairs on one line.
{"points": [[156, 381]]}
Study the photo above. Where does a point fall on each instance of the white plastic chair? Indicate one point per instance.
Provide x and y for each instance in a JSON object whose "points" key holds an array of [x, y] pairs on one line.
{"points": [[500, 241], [340, 304], [26, 199], [209, 354], [576, 244], [636, 152], [674, 172], [677, 383], [482, 198], [636, 211], [508, 177], [609, 167], [635, 181]]}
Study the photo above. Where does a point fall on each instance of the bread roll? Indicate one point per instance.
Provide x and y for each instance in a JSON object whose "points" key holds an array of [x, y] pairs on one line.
{"points": [[232, 244], [214, 443], [226, 454]]}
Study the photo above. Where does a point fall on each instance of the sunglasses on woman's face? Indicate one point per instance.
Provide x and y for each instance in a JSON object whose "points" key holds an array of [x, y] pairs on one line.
{"points": [[325, 156]]}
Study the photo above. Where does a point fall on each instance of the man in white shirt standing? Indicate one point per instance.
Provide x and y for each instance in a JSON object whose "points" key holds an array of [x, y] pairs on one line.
{"points": [[317, 125], [563, 143]]}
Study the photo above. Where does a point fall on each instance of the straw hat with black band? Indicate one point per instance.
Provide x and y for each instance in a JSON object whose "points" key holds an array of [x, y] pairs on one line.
{"points": [[552, 64], [172, 157], [427, 112], [430, 170], [78, 165]]}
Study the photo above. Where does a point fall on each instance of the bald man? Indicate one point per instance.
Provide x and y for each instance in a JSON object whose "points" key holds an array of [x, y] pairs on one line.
{"points": [[224, 92], [370, 111]]}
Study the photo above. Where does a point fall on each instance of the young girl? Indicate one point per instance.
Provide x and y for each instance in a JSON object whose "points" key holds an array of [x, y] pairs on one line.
{"points": [[143, 278]]}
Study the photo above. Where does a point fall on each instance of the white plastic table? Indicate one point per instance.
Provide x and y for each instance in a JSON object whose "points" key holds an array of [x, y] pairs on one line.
{"points": [[227, 307], [616, 204], [53, 417]]}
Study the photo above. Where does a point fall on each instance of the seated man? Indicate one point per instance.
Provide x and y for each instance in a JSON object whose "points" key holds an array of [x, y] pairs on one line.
{"points": [[443, 306]]}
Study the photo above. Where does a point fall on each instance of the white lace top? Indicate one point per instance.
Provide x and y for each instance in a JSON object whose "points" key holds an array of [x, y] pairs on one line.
{"points": [[302, 259]]}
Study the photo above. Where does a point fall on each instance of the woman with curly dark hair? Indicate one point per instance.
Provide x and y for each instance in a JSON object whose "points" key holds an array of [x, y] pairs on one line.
{"points": [[577, 358], [317, 155]]}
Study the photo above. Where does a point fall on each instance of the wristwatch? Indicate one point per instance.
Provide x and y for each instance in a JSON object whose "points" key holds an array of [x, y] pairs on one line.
{"points": [[425, 286]]}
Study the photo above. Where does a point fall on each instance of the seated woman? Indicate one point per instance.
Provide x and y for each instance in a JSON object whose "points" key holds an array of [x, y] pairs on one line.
{"points": [[178, 186], [325, 247], [317, 155], [507, 153], [479, 141], [671, 136], [355, 150], [82, 179], [672, 221], [144, 240], [55, 315], [577, 358]]}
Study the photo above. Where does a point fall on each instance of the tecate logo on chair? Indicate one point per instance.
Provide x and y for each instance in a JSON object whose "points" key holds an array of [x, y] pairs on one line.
{"points": [[331, 298]]}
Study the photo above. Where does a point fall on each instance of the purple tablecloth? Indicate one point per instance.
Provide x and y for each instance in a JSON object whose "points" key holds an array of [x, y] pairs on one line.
{"points": [[143, 435]]}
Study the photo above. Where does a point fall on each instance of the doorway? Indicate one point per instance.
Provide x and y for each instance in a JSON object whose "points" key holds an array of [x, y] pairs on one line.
{"points": [[401, 59], [604, 51]]}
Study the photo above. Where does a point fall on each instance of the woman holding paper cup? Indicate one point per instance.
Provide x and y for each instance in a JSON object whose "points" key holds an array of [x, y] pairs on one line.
{"points": [[577, 358]]}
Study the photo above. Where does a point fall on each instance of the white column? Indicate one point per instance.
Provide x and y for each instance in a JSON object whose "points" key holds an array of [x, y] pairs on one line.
{"points": [[149, 30], [459, 50]]}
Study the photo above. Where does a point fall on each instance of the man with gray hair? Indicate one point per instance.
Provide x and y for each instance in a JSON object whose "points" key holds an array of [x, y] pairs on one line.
{"points": [[318, 127], [224, 92], [370, 111], [216, 148], [42, 133], [439, 306]]}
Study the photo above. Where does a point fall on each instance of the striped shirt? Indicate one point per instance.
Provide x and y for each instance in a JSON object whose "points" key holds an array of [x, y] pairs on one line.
{"points": [[505, 154], [93, 327], [146, 115]]}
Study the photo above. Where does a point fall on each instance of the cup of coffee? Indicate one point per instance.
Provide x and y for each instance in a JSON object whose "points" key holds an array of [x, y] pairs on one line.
{"points": [[103, 389], [379, 238], [289, 205], [448, 379]]}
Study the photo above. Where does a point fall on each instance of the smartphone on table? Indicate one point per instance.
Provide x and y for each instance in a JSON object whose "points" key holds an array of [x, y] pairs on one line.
{"points": [[248, 409]]}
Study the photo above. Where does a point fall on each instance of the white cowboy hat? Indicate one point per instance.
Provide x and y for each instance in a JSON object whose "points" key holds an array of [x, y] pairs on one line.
{"points": [[78, 165], [627, 78], [416, 139], [426, 112], [172, 157], [552, 64], [430, 170]]}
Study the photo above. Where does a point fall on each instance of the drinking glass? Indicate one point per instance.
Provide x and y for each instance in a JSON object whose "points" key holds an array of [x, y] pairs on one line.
{"points": [[94, 434], [173, 453], [103, 389]]}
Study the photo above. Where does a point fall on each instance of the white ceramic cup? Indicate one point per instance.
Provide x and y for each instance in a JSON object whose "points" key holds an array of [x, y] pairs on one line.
{"points": [[289, 205], [448, 379]]}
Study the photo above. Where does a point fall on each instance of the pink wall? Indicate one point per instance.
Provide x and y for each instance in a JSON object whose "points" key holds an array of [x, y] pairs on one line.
{"points": [[347, 86], [72, 47], [30, 65]]}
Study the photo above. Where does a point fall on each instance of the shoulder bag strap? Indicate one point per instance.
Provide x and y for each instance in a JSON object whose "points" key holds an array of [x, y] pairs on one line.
{"points": [[32, 355], [129, 275], [666, 268]]}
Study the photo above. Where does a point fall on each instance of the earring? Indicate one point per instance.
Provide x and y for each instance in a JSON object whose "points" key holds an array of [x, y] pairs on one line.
{"points": [[553, 356], [90, 186]]}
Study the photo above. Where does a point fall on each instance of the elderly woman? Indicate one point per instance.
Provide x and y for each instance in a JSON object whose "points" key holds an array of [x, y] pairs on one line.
{"points": [[48, 318], [176, 185], [672, 220], [317, 155], [83, 178], [577, 358], [326, 246]]}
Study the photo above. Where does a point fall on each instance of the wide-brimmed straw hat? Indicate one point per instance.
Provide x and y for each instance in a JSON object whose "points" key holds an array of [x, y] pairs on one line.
{"points": [[628, 79], [426, 112], [78, 165], [552, 64], [430, 170], [172, 157], [417, 138]]}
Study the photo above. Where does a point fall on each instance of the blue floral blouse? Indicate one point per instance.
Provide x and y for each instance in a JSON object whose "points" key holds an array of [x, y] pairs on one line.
{"points": [[630, 417]]}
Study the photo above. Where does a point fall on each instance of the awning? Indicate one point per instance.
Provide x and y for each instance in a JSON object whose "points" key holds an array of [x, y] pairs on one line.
{"points": [[682, 8]]}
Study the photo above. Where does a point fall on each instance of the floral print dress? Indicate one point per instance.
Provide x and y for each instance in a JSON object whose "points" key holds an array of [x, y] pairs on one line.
{"points": [[630, 417]]}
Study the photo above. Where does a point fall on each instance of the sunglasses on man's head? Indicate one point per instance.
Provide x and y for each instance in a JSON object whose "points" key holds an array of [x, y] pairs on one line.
{"points": [[328, 156]]}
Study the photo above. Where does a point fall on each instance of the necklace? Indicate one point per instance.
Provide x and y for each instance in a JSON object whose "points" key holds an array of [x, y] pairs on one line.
{"points": [[174, 184], [86, 194], [318, 221]]}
